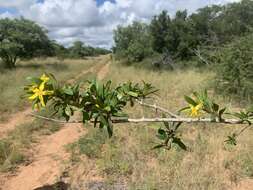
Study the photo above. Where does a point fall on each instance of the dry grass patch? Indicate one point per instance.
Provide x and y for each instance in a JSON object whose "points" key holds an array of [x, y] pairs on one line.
{"points": [[12, 81], [127, 158]]}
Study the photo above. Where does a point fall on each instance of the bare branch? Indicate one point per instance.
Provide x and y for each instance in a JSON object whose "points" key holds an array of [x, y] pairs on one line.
{"points": [[141, 120], [155, 107], [242, 130], [198, 54]]}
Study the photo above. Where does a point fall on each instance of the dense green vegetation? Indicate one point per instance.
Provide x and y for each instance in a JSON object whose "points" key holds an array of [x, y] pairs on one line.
{"points": [[182, 34], [235, 68], [24, 39], [21, 38], [215, 36], [77, 50], [133, 42]]}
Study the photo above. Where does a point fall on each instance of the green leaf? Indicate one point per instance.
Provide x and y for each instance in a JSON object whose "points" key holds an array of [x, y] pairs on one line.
{"points": [[86, 116], [34, 80], [103, 120], [68, 91], [161, 134], [131, 102], [107, 108], [179, 142], [190, 100], [184, 109], [95, 122], [68, 111], [238, 115], [109, 129], [221, 112], [133, 94], [215, 107], [177, 125], [120, 114], [159, 146], [231, 140]]}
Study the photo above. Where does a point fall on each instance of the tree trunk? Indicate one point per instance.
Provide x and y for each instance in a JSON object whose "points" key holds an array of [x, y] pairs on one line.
{"points": [[9, 62]]}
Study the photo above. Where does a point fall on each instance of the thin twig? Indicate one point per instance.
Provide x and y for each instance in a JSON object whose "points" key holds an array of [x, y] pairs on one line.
{"points": [[51, 119], [197, 53], [242, 130], [155, 107]]}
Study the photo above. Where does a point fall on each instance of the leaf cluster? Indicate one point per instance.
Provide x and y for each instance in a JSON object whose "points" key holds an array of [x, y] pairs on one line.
{"points": [[169, 135], [97, 102], [208, 105]]}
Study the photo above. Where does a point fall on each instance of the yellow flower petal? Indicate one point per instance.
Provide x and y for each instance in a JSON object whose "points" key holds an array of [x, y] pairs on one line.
{"points": [[42, 101], [33, 97], [49, 92], [42, 86], [32, 88], [44, 78], [195, 111]]}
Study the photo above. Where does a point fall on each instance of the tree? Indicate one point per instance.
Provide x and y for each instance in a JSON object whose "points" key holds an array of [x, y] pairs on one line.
{"points": [[132, 42], [160, 29], [175, 36], [76, 51], [235, 66], [204, 23], [80, 50], [234, 20], [21, 38], [183, 38], [59, 50]]}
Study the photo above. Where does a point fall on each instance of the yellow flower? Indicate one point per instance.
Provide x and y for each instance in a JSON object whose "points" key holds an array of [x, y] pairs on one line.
{"points": [[195, 110], [39, 92], [32, 88], [44, 78]]}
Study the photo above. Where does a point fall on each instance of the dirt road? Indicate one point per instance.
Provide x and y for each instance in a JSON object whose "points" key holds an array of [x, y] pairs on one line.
{"points": [[49, 154]]}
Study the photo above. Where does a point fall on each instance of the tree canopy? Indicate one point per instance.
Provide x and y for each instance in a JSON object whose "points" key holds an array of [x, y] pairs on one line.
{"points": [[133, 41], [21, 38], [181, 34]]}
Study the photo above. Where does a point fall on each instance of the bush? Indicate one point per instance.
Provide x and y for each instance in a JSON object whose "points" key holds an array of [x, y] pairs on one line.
{"points": [[132, 42], [235, 68]]}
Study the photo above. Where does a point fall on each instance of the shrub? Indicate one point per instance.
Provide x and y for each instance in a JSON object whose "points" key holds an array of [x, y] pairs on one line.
{"points": [[132, 42], [235, 68]]}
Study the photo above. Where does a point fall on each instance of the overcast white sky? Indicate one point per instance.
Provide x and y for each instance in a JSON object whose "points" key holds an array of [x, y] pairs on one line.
{"points": [[93, 21]]}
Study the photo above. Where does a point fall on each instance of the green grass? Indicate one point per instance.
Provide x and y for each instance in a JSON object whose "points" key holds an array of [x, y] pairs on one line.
{"points": [[128, 157]]}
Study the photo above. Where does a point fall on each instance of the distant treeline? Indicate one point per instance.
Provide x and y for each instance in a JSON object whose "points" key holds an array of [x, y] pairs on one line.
{"points": [[77, 50], [23, 39], [183, 34]]}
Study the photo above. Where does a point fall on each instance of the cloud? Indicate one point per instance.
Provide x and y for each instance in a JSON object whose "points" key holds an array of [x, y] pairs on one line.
{"points": [[6, 15], [70, 20], [65, 13], [19, 4]]}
